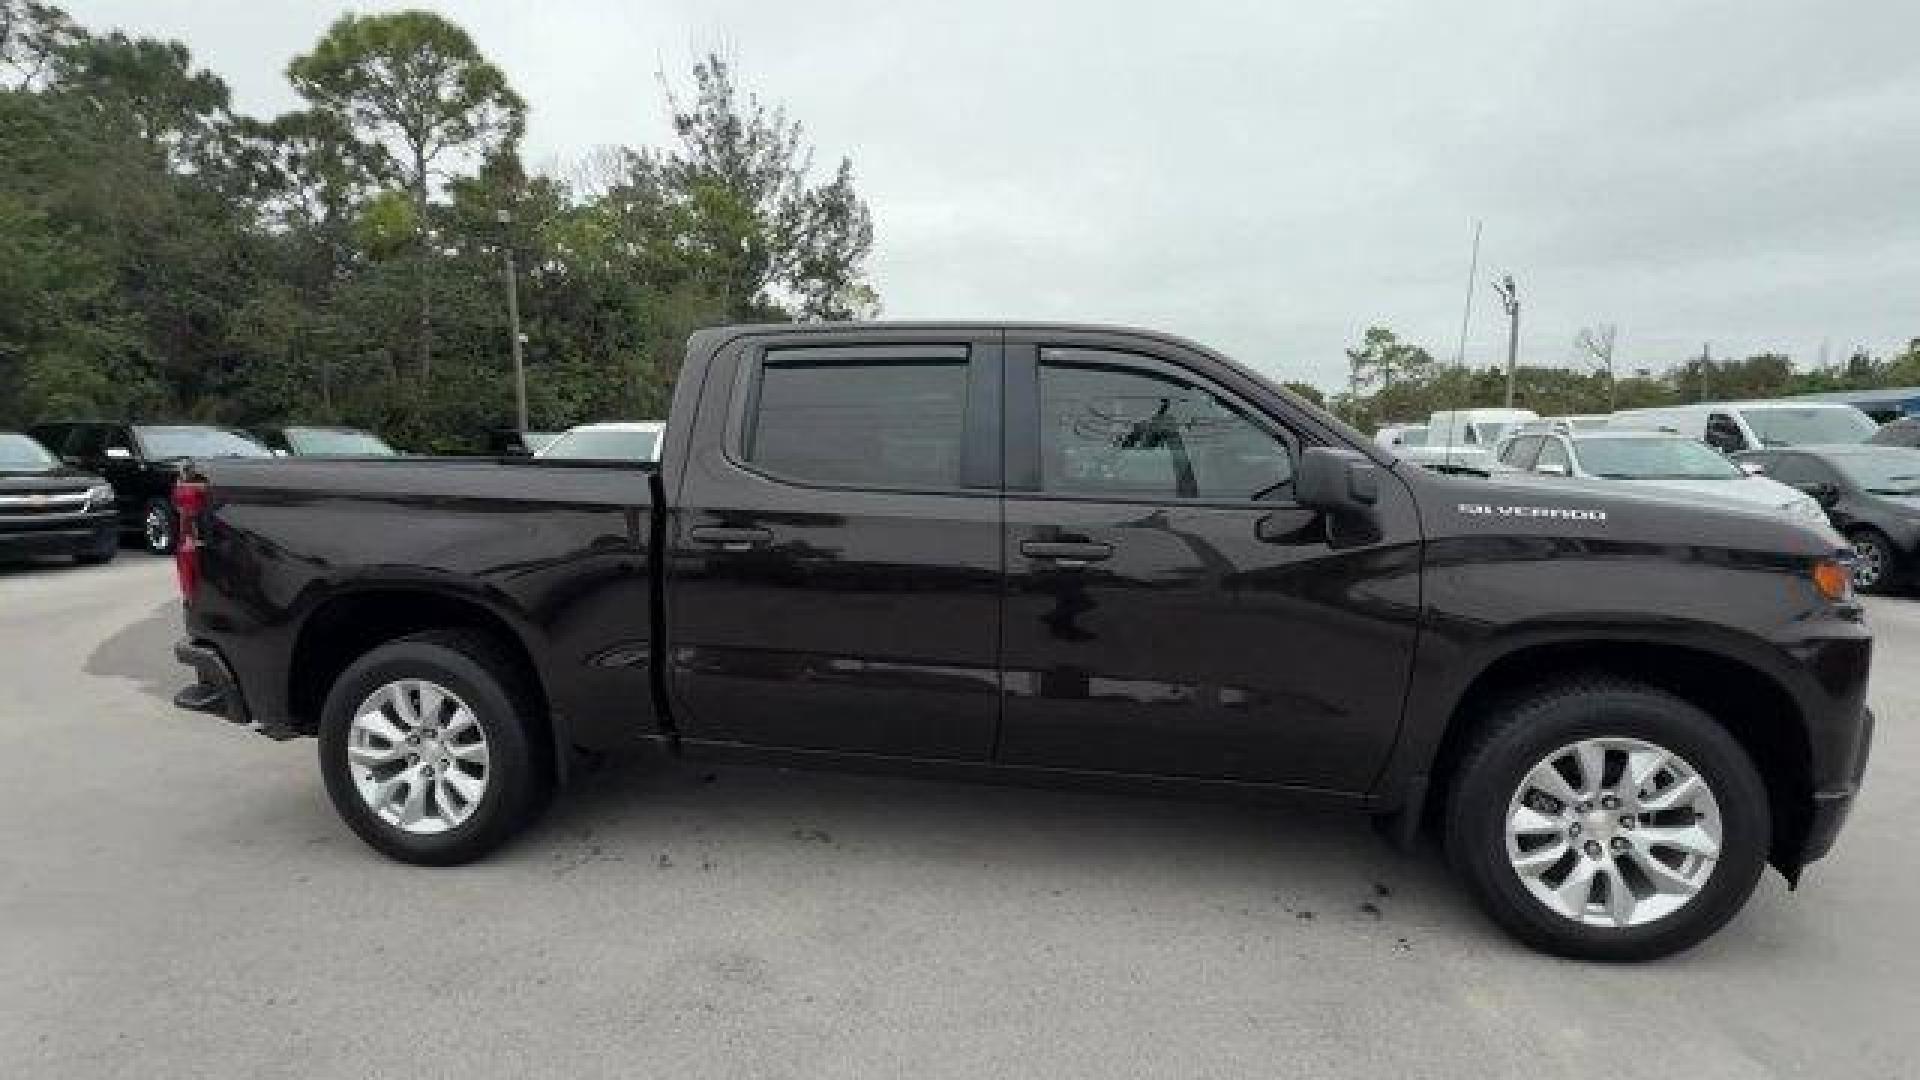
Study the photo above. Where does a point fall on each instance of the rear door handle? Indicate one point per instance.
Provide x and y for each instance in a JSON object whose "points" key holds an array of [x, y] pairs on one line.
{"points": [[1065, 554], [729, 539]]}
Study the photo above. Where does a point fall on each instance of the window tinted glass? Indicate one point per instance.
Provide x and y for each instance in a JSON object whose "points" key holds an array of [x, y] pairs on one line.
{"points": [[19, 452], [1792, 469], [164, 443], [1110, 428], [335, 442], [1675, 458], [1809, 426], [86, 441], [1553, 455], [1520, 451], [878, 423], [603, 444]]}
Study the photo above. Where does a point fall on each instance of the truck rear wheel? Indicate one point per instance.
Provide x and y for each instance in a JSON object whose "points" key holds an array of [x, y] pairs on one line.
{"points": [[426, 750], [1603, 819]]}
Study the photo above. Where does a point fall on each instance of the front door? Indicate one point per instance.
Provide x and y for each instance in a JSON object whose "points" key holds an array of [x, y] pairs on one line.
{"points": [[1169, 610], [836, 577]]}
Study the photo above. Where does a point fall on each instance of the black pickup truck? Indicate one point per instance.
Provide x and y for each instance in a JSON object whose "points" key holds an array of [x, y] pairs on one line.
{"points": [[1055, 555]]}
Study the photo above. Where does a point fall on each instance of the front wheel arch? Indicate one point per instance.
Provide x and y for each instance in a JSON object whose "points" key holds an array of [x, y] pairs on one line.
{"points": [[1755, 708]]}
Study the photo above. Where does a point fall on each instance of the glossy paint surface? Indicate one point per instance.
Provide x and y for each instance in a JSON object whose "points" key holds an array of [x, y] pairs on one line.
{"points": [[1258, 646]]}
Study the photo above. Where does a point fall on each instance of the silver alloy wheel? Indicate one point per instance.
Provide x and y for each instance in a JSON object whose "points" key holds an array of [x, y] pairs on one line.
{"points": [[1613, 832], [418, 756], [1869, 562], [159, 529]]}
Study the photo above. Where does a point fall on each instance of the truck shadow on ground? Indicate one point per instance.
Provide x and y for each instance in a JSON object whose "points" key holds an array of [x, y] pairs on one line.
{"points": [[142, 653], [1314, 867]]}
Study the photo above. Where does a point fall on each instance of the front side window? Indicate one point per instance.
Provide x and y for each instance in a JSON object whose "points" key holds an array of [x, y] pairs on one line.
{"points": [[1111, 425], [1521, 451], [885, 422], [1724, 434], [1553, 458]]}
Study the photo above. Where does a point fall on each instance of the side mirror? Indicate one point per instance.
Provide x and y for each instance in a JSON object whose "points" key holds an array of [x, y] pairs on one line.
{"points": [[1752, 468], [1336, 480], [119, 453], [1823, 493]]}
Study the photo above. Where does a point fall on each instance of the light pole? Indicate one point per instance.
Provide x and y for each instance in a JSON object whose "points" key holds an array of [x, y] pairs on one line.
{"points": [[1510, 299], [513, 322]]}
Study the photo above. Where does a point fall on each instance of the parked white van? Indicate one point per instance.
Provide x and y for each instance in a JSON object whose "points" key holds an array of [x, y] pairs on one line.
{"points": [[1733, 426], [1466, 437]]}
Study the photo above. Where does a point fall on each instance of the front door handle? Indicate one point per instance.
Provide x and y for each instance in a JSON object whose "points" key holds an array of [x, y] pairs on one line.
{"points": [[729, 539], [1067, 554]]}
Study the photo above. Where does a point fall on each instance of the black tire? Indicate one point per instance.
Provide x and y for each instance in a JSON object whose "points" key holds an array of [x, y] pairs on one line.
{"points": [[1870, 543], [158, 529], [1523, 731], [477, 671]]}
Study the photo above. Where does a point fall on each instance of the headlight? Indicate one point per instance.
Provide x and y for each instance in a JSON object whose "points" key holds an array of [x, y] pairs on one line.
{"points": [[100, 497], [1806, 510]]}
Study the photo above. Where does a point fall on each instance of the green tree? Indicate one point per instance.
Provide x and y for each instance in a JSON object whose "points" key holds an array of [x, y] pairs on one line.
{"points": [[414, 89]]}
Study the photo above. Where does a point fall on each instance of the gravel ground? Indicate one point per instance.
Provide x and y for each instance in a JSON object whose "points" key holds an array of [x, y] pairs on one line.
{"points": [[177, 899]]}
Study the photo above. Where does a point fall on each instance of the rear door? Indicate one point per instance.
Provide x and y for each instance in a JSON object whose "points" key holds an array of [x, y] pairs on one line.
{"points": [[836, 550], [1170, 610]]}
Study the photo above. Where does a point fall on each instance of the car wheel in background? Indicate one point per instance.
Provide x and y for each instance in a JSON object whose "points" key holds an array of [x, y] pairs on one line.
{"points": [[157, 528], [1875, 565], [1604, 819]]}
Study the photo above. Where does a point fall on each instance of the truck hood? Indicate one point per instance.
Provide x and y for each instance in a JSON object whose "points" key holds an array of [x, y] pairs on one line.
{"points": [[1624, 512]]}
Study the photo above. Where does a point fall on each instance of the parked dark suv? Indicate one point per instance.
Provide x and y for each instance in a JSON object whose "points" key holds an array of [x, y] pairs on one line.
{"points": [[49, 508], [1871, 494], [142, 461]]}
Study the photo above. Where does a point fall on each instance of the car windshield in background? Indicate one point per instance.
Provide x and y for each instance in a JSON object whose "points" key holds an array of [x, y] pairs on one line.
{"points": [[1654, 459], [336, 442], [1892, 471], [23, 454], [1413, 438], [1489, 433], [603, 446], [1808, 427], [163, 443]]}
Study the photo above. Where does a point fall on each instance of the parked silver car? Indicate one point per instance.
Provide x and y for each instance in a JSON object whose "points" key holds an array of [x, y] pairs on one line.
{"points": [[1662, 462]]}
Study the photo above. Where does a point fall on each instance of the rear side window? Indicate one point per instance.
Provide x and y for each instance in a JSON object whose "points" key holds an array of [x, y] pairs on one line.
{"points": [[1111, 425], [881, 422]]}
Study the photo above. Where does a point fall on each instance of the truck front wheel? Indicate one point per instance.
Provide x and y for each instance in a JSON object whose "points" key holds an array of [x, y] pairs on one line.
{"points": [[425, 749], [1604, 819]]}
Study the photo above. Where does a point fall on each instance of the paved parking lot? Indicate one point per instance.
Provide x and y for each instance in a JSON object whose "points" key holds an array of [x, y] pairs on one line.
{"points": [[177, 899]]}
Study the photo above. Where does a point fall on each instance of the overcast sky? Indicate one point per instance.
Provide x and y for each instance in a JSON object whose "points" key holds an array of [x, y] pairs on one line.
{"points": [[1271, 178]]}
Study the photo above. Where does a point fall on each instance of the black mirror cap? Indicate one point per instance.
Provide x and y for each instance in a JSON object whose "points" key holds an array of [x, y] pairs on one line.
{"points": [[1335, 478]]}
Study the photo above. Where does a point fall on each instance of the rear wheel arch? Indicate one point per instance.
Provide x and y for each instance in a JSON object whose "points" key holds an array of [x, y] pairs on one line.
{"points": [[1752, 705], [347, 626]]}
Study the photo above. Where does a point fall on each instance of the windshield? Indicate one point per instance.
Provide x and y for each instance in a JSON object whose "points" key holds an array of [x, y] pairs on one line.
{"points": [[1413, 437], [162, 443], [21, 453], [1809, 426], [1489, 432], [1894, 470], [1654, 459], [603, 445], [336, 442]]}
